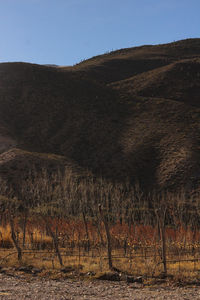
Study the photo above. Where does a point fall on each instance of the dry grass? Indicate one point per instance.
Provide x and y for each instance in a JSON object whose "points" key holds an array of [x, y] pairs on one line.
{"points": [[80, 266], [39, 240], [5, 237]]}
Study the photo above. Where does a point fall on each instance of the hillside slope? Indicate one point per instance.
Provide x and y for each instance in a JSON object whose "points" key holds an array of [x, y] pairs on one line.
{"points": [[176, 81], [125, 63], [132, 114]]}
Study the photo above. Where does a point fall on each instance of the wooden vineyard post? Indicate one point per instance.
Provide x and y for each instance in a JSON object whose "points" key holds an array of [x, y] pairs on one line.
{"points": [[13, 235], [55, 242], [161, 223], [109, 248]]}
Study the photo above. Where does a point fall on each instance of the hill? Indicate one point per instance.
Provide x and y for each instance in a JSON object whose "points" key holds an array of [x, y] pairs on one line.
{"points": [[132, 114], [177, 81]]}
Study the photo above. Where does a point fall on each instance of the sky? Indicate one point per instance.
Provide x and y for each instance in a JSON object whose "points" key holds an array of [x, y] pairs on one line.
{"points": [[64, 32]]}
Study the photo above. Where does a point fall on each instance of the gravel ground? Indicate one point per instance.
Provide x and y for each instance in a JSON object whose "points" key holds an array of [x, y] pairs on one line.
{"points": [[35, 288]]}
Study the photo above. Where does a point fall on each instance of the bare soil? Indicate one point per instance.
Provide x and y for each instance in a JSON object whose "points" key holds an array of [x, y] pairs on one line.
{"points": [[22, 287]]}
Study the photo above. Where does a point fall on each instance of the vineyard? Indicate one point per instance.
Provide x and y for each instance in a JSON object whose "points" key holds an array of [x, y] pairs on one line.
{"points": [[136, 249], [92, 226]]}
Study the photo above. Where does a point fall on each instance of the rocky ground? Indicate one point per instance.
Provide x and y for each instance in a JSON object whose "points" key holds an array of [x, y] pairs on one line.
{"points": [[22, 287]]}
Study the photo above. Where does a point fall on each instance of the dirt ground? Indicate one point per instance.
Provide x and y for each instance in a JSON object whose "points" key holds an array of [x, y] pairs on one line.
{"points": [[21, 287]]}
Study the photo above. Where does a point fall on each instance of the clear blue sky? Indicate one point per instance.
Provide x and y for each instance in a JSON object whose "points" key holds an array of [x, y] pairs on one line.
{"points": [[64, 32]]}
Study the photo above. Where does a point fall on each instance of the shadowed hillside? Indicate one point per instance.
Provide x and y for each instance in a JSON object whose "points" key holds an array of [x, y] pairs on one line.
{"points": [[48, 111], [132, 114], [176, 81]]}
